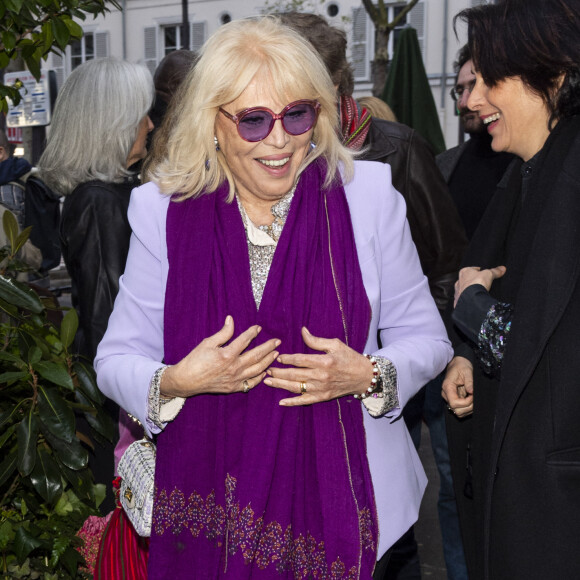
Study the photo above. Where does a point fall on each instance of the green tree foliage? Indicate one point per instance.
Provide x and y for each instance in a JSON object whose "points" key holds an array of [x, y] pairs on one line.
{"points": [[46, 487], [33, 28]]}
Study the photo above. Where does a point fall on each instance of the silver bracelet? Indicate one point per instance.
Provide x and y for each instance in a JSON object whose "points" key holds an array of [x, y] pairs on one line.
{"points": [[154, 398], [377, 404]]}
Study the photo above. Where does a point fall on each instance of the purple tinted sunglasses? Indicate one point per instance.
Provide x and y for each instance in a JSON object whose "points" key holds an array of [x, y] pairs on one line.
{"points": [[256, 123]]}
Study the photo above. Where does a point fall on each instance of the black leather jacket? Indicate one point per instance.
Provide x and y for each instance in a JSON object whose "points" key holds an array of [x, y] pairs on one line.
{"points": [[433, 219], [95, 236]]}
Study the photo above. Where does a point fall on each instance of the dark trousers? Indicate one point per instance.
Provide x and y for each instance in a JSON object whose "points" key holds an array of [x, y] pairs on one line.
{"points": [[428, 406], [380, 572]]}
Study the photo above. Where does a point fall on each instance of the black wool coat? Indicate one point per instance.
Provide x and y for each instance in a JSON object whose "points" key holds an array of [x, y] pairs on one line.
{"points": [[524, 519]]}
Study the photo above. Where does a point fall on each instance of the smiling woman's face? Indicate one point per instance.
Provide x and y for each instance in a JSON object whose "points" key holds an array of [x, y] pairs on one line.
{"points": [[267, 169], [515, 117]]}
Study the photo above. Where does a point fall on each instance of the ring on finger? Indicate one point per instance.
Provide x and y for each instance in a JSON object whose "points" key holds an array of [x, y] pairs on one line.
{"points": [[302, 388], [246, 386]]}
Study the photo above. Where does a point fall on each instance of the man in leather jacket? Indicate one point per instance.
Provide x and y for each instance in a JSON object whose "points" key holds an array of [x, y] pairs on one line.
{"points": [[433, 219], [435, 225]]}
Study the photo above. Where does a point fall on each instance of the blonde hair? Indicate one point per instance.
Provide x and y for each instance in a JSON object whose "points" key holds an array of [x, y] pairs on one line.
{"points": [[377, 108], [184, 158], [95, 123]]}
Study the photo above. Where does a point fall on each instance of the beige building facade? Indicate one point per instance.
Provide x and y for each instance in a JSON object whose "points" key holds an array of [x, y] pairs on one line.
{"points": [[146, 30]]}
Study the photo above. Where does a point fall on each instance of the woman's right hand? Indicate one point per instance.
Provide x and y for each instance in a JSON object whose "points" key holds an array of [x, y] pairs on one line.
{"points": [[213, 368], [472, 275], [457, 387]]}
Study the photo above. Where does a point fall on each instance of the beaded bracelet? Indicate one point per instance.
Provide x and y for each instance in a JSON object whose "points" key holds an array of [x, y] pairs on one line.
{"points": [[375, 385]]}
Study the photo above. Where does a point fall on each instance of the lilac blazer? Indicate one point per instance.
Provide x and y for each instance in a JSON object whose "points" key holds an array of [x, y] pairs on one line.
{"points": [[403, 312]]}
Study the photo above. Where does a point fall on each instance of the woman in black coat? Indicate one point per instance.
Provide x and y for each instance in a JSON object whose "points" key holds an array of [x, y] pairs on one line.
{"points": [[98, 133], [517, 363]]}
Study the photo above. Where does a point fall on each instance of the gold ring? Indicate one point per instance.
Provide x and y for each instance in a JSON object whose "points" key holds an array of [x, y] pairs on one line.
{"points": [[246, 386], [302, 388]]}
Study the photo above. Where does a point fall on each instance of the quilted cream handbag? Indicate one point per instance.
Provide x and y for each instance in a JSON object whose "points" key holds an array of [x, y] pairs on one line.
{"points": [[137, 472]]}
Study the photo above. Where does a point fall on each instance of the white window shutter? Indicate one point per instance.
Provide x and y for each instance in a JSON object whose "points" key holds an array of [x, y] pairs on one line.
{"points": [[101, 44], [416, 18], [197, 35], [56, 63], [360, 50], [151, 48]]}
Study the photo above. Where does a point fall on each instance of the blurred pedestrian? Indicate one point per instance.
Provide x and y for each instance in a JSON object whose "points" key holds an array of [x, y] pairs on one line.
{"points": [[13, 172], [98, 132], [377, 108], [472, 169], [169, 74]]}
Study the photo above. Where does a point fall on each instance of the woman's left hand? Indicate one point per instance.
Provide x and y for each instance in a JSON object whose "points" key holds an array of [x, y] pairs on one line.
{"points": [[340, 371], [473, 275]]}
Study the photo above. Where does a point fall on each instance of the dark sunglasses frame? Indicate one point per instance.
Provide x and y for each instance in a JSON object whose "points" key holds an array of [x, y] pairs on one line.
{"points": [[275, 117]]}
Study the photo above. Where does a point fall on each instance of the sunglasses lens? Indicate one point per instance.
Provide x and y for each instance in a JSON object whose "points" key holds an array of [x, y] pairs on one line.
{"points": [[255, 125], [299, 119]]}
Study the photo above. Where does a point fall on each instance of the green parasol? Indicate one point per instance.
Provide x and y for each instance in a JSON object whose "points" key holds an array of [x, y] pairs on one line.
{"points": [[408, 93]]}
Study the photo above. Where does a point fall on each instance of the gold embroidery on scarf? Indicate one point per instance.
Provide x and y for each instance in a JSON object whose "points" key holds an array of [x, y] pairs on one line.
{"points": [[364, 516], [264, 544], [340, 305]]}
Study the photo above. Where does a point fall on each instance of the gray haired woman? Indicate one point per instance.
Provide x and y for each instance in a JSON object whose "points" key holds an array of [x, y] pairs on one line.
{"points": [[98, 133]]}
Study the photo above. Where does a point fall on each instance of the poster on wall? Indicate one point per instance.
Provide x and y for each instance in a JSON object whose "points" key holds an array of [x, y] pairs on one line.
{"points": [[34, 107]]}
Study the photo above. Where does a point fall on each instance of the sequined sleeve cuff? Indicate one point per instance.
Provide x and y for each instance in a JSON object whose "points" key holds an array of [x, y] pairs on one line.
{"points": [[493, 336], [160, 410], [486, 323], [382, 402]]}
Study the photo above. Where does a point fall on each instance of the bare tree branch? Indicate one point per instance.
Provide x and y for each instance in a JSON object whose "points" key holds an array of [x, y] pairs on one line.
{"points": [[379, 14]]}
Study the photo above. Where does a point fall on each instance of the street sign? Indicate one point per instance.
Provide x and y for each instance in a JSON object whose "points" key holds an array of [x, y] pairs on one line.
{"points": [[34, 109]]}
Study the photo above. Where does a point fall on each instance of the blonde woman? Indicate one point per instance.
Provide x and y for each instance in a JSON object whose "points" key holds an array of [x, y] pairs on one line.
{"points": [[263, 263]]}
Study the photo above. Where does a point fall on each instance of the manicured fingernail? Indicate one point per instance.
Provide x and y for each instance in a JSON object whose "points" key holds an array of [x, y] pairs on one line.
{"points": [[306, 330], [258, 329], [228, 319], [277, 343], [275, 354], [268, 382], [269, 372]]}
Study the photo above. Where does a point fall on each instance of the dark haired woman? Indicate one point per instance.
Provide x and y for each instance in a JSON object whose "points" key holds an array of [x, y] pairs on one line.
{"points": [[518, 302]]}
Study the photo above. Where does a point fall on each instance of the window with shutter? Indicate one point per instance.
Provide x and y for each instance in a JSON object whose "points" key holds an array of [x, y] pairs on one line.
{"points": [[56, 63], [101, 44], [363, 34], [416, 18], [197, 35], [82, 50], [151, 48], [360, 53], [161, 40]]}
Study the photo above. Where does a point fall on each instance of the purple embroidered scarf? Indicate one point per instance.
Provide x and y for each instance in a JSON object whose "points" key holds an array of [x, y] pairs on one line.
{"points": [[246, 488]]}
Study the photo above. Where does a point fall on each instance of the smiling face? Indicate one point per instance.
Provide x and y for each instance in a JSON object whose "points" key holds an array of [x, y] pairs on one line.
{"points": [[516, 118], [264, 171]]}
